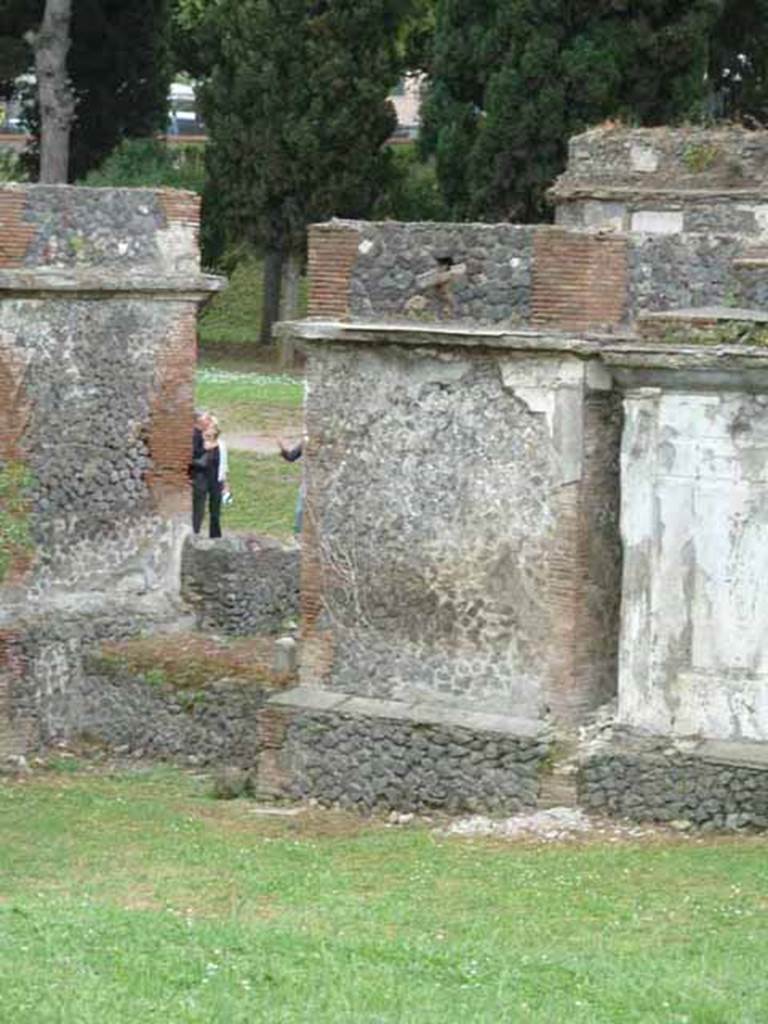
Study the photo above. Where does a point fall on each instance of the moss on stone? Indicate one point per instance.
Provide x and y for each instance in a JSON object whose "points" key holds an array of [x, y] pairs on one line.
{"points": [[700, 157], [15, 533], [188, 662], [731, 332]]}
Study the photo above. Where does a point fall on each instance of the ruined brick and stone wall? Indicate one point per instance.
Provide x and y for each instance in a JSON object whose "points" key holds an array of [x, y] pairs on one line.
{"points": [[130, 714], [471, 388], [241, 585], [646, 220], [461, 536], [375, 755], [98, 298], [665, 181], [505, 274], [710, 785], [584, 278]]}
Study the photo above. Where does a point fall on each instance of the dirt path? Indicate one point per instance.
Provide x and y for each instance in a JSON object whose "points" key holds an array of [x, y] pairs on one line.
{"points": [[259, 444]]}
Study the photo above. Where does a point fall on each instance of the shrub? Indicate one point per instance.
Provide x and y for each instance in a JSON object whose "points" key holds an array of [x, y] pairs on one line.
{"points": [[151, 163], [412, 192]]}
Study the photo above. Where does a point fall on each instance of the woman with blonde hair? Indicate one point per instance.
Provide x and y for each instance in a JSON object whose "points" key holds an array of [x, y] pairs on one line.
{"points": [[209, 480]]}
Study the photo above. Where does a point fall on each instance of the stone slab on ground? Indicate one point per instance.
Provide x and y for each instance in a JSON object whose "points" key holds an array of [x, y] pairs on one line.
{"points": [[419, 711]]}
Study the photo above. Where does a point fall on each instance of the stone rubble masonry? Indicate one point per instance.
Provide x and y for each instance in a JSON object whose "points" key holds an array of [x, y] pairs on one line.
{"points": [[420, 272], [14, 729], [485, 568], [726, 160], [215, 725], [98, 296], [710, 785], [149, 231], [44, 664], [241, 585], [379, 755]]}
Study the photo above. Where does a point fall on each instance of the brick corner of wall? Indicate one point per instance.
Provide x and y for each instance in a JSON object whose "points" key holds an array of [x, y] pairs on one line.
{"points": [[180, 207], [332, 253], [16, 234]]}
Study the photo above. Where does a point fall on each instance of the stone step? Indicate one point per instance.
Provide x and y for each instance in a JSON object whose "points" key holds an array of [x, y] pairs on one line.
{"points": [[558, 789]]}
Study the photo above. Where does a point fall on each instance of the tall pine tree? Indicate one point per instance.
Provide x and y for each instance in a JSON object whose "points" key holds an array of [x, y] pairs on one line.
{"points": [[118, 63], [121, 73], [738, 63], [297, 113], [514, 79]]}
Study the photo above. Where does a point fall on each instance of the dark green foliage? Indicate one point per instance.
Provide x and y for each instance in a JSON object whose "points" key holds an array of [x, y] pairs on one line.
{"points": [[16, 18], [14, 55], [739, 63], [513, 79], [119, 64], [192, 37], [412, 193], [416, 36], [151, 163], [297, 113], [121, 73]]}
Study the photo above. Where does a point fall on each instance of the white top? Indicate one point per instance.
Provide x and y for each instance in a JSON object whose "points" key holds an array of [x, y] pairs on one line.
{"points": [[223, 461]]}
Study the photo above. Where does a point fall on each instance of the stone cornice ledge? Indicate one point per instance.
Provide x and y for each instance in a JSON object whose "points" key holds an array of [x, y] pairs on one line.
{"points": [[422, 712], [649, 192], [84, 283], [448, 335]]}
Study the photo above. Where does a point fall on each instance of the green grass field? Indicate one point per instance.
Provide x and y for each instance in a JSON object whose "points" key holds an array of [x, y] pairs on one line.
{"points": [[134, 898], [268, 404], [235, 314], [265, 489], [250, 400]]}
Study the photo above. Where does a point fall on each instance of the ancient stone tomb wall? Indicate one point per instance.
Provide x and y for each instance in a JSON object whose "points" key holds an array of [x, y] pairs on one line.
{"points": [[470, 390], [98, 297], [239, 585], [461, 538], [646, 220]]}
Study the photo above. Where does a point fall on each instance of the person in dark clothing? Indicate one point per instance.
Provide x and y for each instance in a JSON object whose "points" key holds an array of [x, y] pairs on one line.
{"points": [[290, 455], [209, 478], [202, 420]]}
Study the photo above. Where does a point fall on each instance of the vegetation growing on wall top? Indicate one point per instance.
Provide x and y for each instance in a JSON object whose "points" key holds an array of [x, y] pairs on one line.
{"points": [[15, 534]]}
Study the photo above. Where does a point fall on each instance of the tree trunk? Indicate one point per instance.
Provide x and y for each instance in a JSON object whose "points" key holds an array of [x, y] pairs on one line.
{"points": [[57, 103], [289, 303], [270, 310], [289, 297]]}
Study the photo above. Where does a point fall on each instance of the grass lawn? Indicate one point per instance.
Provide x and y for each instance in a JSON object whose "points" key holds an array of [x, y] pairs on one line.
{"points": [[133, 898], [250, 401], [234, 315], [266, 404], [265, 489]]}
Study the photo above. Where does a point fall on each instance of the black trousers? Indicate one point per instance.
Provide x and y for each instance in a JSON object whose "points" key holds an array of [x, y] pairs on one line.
{"points": [[210, 491]]}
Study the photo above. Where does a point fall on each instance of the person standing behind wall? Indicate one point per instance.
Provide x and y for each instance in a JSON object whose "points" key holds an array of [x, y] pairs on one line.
{"points": [[209, 477], [290, 455]]}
